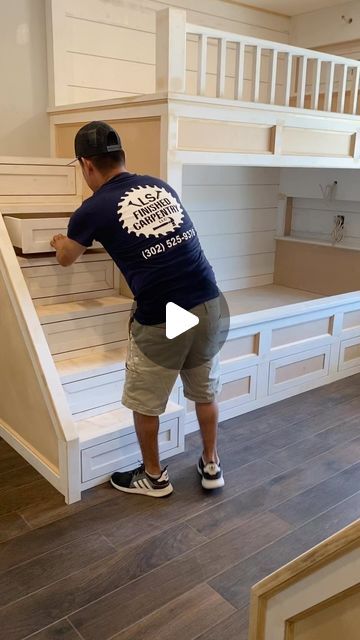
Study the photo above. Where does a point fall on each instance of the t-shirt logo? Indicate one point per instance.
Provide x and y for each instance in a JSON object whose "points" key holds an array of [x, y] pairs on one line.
{"points": [[150, 210]]}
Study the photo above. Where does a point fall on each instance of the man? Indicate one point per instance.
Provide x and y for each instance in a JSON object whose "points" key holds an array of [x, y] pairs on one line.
{"points": [[142, 224]]}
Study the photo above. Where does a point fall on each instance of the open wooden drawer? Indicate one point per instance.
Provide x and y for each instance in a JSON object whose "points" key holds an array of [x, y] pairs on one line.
{"points": [[32, 233]]}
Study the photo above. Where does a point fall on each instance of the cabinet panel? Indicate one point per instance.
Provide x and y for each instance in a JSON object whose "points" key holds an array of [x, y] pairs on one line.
{"points": [[299, 369], [349, 354], [82, 333], [119, 453], [54, 281]]}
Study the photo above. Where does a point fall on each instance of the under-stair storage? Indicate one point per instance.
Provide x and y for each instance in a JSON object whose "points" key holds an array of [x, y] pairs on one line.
{"points": [[31, 235], [93, 274], [76, 327], [109, 443]]}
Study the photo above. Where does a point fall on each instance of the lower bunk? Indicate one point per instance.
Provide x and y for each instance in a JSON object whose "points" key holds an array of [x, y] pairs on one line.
{"points": [[282, 341]]}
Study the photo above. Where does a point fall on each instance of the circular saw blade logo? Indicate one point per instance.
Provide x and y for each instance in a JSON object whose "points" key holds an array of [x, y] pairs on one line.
{"points": [[150, 211]]}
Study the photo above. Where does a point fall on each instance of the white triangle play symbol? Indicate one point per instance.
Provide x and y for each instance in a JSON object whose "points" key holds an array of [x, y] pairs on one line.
{"points": [[178, 320]]}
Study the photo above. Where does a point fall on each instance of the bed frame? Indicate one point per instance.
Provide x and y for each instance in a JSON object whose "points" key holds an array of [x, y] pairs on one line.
{"points": [[63, 332]]}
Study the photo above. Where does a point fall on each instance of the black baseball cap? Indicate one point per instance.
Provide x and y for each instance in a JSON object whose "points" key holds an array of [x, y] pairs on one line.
{"points": [[96, 138]]}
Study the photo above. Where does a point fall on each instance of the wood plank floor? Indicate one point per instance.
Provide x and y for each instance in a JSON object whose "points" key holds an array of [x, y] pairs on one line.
{"points": [[131, 568]]}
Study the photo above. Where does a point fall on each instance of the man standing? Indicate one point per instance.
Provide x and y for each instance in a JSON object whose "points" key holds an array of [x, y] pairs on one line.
{"points": [[142, 224]]}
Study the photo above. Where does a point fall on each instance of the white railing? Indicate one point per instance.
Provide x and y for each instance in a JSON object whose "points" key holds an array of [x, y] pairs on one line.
{"points": [[201, 61]]}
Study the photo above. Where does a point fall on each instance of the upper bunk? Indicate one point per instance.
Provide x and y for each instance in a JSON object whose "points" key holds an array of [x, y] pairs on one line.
{"points": [[225, 99]]}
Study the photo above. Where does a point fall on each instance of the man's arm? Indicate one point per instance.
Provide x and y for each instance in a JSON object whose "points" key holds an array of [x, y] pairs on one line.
{"points": [[67, 251]]}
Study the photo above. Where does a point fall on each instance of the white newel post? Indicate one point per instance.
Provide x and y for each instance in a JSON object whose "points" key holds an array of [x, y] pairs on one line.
{"points": [[171, 50]]}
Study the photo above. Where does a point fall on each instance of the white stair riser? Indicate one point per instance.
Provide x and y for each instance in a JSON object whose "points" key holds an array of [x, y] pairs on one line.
{"points": [[94, 395], [99, 394], [56, 282], [69, 336]]}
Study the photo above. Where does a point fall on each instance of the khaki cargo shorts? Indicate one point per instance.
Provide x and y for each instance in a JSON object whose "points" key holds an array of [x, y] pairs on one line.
{"points": [[149, 383]]}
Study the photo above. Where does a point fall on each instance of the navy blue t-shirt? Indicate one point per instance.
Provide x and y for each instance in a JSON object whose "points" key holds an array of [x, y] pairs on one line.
{"points": [[144, 227]]}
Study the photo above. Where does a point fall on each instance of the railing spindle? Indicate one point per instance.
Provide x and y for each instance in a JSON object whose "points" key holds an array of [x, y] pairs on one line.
{"points": [[273, 75], [240, 71], [355, 92], [330, 87], [171, 76], [301, 88], [342, 89], [257, 75], [316, 84], [221, 70], [288, 77], [202, 64]]}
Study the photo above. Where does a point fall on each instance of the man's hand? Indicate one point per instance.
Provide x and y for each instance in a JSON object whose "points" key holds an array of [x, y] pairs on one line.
{"points": [[67, 251]]}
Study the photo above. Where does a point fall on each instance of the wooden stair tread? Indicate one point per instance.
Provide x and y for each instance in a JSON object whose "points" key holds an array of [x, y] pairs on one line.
{"points": [[86, 366], [83, 308], [113, 422], [42, 260]]}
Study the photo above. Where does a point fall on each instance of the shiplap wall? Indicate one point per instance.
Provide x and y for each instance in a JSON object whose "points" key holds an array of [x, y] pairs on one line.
{"points": [[24, 126], [345, 49], [101, 49], [325, 26], [314, 219], [234, 210]]}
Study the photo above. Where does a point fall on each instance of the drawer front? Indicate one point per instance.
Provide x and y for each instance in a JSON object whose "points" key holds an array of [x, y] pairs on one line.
{"points": [[33, 235], [296, 337], [299, 369], [53, 280], [124, 451], [82, 333], [38, 180], [95, 392], [238, 388], [349, 354], [240, 347]]}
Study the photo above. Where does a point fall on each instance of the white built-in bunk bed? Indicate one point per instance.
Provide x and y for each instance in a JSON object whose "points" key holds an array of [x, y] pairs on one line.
{"points": [[254, 151]]}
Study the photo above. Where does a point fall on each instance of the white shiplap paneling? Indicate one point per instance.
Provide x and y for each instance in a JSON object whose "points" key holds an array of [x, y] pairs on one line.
{"points": [[314, 219], [234, 210], [110, 46]]}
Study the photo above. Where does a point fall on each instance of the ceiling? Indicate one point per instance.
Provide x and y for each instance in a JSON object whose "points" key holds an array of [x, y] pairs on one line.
{"points": [[291, 7]]}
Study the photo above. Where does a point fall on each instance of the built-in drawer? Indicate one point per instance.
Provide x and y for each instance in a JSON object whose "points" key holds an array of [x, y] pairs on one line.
{"points": [[33, 234], [299, 369], [349, 354], [83, 333], [96, 394], [238, 388], [122, 452], [53, 281]]}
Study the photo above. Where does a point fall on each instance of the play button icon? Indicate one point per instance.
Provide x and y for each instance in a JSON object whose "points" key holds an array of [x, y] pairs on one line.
{"points": [[182, 339], [178, 320]]}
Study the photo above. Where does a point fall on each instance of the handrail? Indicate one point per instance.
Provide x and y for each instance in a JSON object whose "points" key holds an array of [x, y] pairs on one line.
{"points": [[293, 77], [199, 30]]}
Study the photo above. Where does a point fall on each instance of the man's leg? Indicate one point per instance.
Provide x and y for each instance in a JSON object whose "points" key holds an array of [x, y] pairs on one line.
{"points": [[147, 429], [207, 415]]}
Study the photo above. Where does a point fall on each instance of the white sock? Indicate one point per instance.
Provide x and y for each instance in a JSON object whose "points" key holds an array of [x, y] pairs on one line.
{"points": [[156, 477]]}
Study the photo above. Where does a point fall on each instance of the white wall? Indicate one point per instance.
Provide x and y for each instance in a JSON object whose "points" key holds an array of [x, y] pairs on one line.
{"points": [[234, 210], [314, 220], [325, 26], [313, 215], [106, 48], [24, 126]]}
